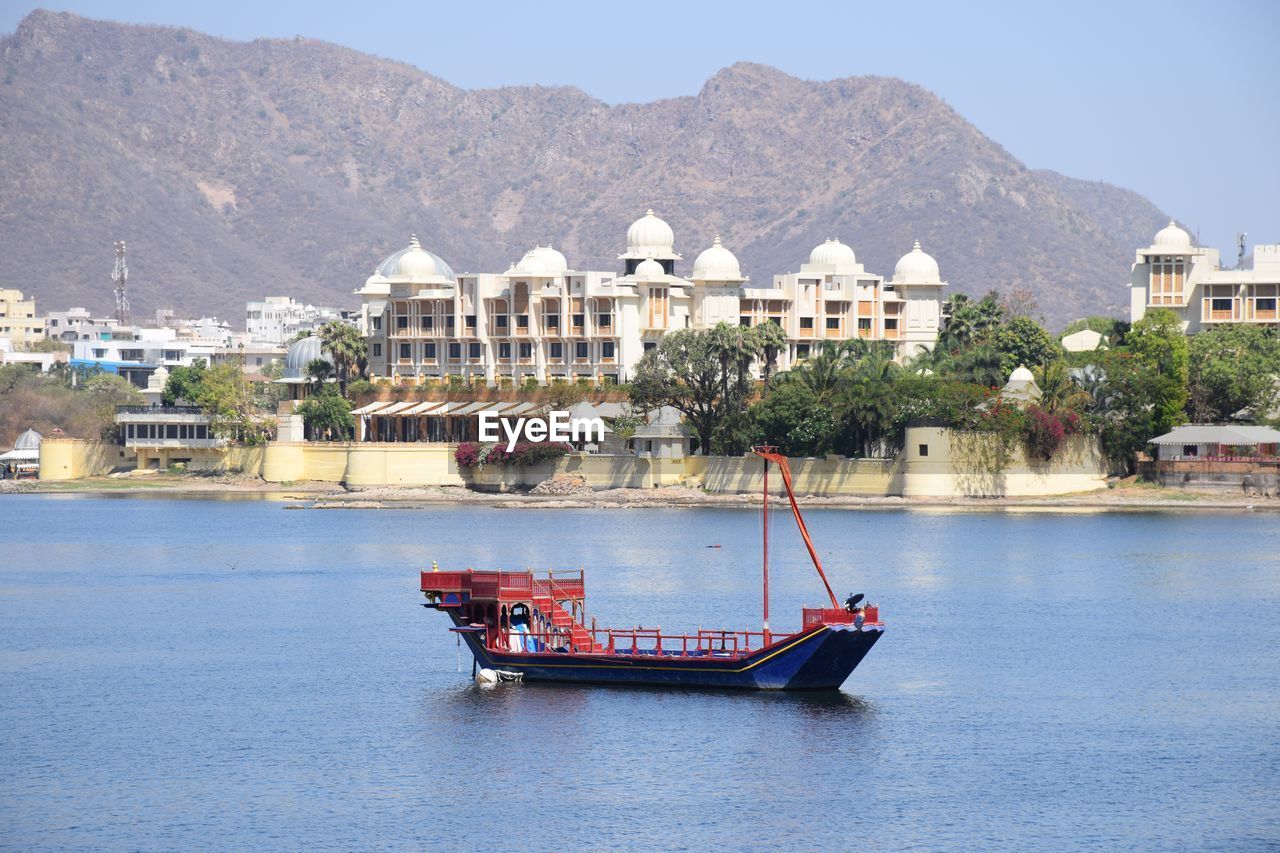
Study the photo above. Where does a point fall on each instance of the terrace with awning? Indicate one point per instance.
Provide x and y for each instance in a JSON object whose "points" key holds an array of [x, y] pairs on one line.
{"points": [[433, 420]]}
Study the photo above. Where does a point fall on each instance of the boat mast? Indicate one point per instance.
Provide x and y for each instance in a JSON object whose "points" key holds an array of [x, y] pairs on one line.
{"points": [[768, 454], [765, 525]]}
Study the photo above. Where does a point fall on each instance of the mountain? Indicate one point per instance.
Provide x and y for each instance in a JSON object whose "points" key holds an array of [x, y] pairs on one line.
{"points": [[238, 170]]}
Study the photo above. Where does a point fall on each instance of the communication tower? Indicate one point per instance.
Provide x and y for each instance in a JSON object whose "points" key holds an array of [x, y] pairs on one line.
{"points": [[119, 276]]}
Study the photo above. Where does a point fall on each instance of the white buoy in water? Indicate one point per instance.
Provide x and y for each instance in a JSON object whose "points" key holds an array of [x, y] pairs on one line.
{"points": [[486, 676]]}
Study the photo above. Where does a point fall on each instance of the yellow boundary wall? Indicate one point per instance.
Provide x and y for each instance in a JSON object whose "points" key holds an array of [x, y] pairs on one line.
{"points": [[934, 463]]}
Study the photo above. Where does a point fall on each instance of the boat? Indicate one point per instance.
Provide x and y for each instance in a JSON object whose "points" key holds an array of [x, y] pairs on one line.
{"points": [[535, 625]]}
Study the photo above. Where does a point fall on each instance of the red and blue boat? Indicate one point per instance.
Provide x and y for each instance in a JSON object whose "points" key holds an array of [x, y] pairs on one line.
{"points": [[536, 627]]}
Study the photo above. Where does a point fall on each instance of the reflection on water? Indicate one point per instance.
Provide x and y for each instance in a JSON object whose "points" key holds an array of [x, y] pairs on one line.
{"points": [[176, 670]]}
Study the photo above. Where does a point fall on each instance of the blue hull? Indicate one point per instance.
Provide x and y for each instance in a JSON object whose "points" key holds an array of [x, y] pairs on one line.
{"points": [[820, 658]]}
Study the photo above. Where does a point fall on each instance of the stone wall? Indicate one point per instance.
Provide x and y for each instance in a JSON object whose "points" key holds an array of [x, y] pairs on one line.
{"points": [[940, 462], [833, 475], [75, 458], [1219, 478]]}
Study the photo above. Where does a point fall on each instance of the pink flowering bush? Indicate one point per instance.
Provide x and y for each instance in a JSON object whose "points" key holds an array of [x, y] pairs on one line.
{"points": [[1046, 432], [469, 454]]}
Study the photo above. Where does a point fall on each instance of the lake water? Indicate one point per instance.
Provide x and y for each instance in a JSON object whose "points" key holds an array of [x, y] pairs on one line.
{"points": [[231, 674]]}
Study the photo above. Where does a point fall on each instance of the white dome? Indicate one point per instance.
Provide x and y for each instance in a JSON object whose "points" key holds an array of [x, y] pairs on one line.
{"points": [[1172, 237], [651, 237], [650, 270], [301, 353], [414, 263], [1021, 374], [717, 264], [832, 253], [29, 440], [917, 266], [531, 264], [554, 261]]}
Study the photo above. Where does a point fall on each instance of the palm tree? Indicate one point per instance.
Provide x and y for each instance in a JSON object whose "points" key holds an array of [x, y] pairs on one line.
{"points": [[734, 348], [770, 340], [345, 346], [1058, 388]]}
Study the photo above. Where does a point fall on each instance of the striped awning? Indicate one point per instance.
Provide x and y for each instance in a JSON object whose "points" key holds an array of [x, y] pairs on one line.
{"points": [[370, 408], [1236, 435], [423, 408], [397, 408]]}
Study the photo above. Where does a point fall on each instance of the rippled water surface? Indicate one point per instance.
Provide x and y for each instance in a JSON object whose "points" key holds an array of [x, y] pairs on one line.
{"points": [[232, 674]]}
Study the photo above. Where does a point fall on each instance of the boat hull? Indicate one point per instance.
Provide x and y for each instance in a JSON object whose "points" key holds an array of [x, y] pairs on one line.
{"points": [[820, 658]]}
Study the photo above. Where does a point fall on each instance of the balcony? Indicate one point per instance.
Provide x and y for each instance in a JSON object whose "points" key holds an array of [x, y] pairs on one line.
{"points": [[1209, 313]]}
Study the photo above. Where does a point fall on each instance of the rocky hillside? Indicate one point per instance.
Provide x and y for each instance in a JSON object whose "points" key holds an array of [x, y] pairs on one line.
{"points": [[292, 167]]}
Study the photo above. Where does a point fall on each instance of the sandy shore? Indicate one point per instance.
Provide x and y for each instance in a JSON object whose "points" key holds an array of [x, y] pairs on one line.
{"points": [[1126, 495]]}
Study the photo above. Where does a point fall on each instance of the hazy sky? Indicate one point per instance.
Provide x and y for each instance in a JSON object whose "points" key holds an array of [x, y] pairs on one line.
{"points": [[1177, 100]]}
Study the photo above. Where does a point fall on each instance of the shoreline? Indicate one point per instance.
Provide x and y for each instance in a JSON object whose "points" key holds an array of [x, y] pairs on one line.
{"points": [[325, 495]]}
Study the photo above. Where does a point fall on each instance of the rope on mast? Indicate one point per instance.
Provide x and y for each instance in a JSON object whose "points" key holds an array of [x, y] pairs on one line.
{"points": [[781, 462]]}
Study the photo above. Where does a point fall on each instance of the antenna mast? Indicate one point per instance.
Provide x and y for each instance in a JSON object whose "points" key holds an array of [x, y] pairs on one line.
{"points": [[119, 276]]}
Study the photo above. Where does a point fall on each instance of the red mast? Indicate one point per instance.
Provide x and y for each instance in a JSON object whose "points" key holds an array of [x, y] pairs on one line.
{"points": [[765, 525], [768, 455]]}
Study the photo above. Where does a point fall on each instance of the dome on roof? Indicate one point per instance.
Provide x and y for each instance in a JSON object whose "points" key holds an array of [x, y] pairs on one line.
{"points": [[531, 264], [541, 260], [553, 260], [29, 440], [1172, 237], [832, 253], [650, 236], [415, 263], [917, 266], [717, 264], [650, 269], [301, 353], [1021, 374]]}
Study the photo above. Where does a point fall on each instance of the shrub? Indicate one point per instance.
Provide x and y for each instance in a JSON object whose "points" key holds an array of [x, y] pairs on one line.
{"points": [[467, 454], [1045, 432]]}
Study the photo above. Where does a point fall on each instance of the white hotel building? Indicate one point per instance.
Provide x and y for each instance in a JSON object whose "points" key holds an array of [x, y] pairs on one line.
{"points": [[543, 320], [1187, 279]]}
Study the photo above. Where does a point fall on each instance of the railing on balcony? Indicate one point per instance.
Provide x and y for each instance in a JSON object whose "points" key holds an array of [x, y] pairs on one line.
{"points": [[158, 410]]}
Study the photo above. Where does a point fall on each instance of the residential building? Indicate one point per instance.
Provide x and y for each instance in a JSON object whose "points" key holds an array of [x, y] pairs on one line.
{"points": [[77, 324], [543, 320], [276, 319], [1189, 280], [18, 320], [136, 358]]}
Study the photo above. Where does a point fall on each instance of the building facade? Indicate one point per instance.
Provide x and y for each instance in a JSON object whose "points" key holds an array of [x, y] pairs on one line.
{"points": [[18, 320], [543, 320], [1189, 280], [276, 319]]}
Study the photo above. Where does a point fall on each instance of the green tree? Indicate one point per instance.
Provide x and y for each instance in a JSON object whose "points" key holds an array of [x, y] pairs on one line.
{"points": [[318, 371], [791, 418], [184, 383], [1230, 369], [967, 323], [1157, 340], [734, 349], [770, 342], [1022, 342], [1058, 390], [868, 405], [347, 347], [327, 416], [1125, 409], [228, 402], [102, 394], [684, 372]]}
